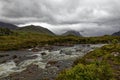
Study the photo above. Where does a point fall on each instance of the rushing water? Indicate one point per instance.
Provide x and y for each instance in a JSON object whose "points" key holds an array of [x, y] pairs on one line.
{"points": [[58, 54]]}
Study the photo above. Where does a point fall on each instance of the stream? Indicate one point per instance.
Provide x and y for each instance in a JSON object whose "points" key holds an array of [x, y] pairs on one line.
{"points": [[44, 64]]}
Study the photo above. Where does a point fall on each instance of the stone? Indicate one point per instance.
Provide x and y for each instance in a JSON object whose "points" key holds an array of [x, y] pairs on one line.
{"points": [[43, 53]]}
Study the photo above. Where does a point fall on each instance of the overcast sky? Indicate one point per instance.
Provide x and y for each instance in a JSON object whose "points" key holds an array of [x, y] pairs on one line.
{"points": [[90, 17]]}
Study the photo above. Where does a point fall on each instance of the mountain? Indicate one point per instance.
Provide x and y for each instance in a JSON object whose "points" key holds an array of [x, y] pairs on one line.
{"points": [[35, 29], [116, 34], [7, 25], [74, 33]]}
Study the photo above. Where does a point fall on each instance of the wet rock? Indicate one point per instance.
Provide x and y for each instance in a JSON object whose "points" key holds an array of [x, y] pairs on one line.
{"points": [[78, 50], [14, 56], [3, 55], [48, 48], [35, 50], [3, 61], [67, 52], [43, 54], [51, 63], [83, 45], [64, 44], [32, 68], [88, 45], [17, 61]]}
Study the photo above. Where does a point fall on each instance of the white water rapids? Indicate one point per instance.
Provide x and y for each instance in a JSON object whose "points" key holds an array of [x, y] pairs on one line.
{"points": [[64, 53]]}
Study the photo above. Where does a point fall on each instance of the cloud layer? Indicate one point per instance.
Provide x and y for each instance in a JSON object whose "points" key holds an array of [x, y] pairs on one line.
{"points": [[70, 14]]}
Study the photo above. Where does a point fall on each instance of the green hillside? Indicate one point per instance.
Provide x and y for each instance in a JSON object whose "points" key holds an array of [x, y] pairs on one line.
{"points": [[35, 29]]}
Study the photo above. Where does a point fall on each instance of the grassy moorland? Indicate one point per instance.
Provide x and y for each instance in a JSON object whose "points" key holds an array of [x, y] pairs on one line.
{"points": [[100, 64], [14, 40], [21, 40]]}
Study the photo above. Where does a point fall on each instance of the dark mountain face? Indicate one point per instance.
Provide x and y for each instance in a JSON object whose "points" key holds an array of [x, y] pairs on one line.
{"points": [[35, 29], [74, 33], [116, 34], [8, 25]]}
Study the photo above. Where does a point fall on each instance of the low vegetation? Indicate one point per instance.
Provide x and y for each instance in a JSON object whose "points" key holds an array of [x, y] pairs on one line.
{"points": [[13, 40], [100, 64], [5, 31]]}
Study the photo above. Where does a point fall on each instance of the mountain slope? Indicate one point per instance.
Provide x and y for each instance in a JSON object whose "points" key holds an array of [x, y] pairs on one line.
{"points": [[35, 29], [74, 33], [7, 25], [116, 34]]}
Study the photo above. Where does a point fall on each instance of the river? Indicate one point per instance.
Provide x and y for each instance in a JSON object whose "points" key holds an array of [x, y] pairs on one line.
{"points": [[40, 65]]}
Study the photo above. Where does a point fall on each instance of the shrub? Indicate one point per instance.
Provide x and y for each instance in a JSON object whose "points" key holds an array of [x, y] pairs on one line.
{"points": [[87, 72]]}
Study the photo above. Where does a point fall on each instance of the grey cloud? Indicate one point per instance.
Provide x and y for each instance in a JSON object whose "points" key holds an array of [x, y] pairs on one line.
{"points": [[61, 13]]}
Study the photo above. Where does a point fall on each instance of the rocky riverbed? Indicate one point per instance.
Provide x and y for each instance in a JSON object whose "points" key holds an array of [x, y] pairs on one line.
{"points": [[41, 63]]}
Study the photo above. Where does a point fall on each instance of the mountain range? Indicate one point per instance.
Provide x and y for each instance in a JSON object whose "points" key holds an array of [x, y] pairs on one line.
{"points": [[8, 25], [41, 30], [30, 28], [116, 33]]}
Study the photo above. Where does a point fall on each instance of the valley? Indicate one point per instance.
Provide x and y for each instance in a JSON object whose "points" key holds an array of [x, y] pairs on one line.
{"points": [[36, 53]]}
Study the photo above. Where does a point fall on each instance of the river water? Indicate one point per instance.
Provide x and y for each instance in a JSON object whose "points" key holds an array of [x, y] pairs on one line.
{"points": [[20, 65]]}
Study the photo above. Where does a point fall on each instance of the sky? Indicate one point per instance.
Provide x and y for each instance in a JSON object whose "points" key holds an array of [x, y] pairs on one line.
{"points": [[89, 17]]}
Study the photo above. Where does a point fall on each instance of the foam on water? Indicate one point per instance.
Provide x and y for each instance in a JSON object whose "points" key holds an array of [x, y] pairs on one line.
{"points": [[36, 61], [41, 60], [10, 67], [7, 68]]}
